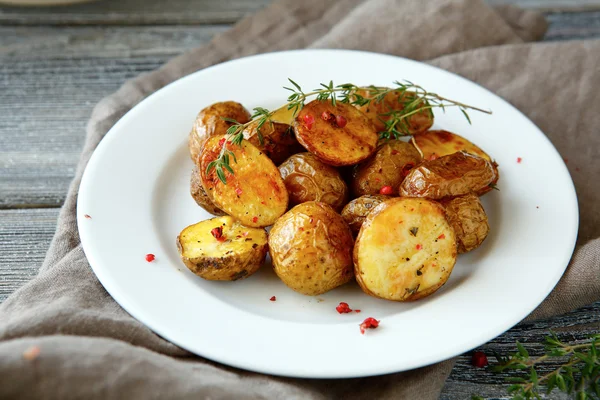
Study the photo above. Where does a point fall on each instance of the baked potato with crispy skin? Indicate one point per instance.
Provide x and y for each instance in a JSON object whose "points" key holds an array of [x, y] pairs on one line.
{"points": [[355, 212], [338, 135], [405, 250], [209, 122], [468, 219], [307, 178], [200, 196], [278, 140], [311, 248], [453, 175], [255, 194], [395, 101], [390, 164], [222, 249]]}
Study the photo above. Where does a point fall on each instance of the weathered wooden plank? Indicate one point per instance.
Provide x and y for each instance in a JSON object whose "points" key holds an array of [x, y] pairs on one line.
{"points": [[552, 5], [133, 12], [568, 26], [24, 238]]}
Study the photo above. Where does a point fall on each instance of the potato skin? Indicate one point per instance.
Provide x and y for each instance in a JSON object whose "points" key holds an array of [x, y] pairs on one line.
{"points": [[311, 248], [355, 212], [255, 194], [417, 123], [200, 196], [306, 178], [387, 167], [279, 141], [333, 144], [209, 122], [405, 250], [232, 259], [453, 175], [468, 219]]}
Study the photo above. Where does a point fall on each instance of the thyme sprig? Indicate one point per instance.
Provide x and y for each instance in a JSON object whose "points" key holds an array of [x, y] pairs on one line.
{"points": [[396, 121], [578, 375]]}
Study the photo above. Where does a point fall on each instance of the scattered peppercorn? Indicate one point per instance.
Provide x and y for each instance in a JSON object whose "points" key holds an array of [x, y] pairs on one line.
{"points": [[387, 190], [442, 236], [309, 120], [418, 246], [479, 359], [357, 311], [273, 298], [150, 257], [217, 233], [255, 219], [340, 121], [222, 142], [369, 323], [343, 308], [519, 159], [87, 216], [238, 191]]}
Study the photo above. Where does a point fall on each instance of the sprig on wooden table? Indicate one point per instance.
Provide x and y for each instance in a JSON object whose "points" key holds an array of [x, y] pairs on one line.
{"points": [[396, 124], [578, 375]]}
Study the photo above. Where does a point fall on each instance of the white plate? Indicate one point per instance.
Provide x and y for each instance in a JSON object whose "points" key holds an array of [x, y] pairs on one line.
{"points": [[136, 189]]}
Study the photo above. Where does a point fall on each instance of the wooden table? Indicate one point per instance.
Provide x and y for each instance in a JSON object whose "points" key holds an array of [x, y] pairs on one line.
{"points": [[57, 63]]}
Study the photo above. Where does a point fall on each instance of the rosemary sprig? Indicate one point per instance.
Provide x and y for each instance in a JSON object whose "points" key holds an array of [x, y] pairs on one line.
{"points": [[578, 375], [396, 125]]}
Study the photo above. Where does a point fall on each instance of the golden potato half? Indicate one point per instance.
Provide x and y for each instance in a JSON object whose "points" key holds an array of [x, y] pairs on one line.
{"points": [[338, 135], [390, 164], [395, 101], [311, 248], [355, 212], [405, 250], [453, 175], [469, 220], [306, 178], [209, 122], [222, 249], [255, 194], [278, 140], [199, 194]]}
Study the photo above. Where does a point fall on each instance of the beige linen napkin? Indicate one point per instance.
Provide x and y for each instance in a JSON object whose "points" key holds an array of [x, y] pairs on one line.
{"points": [[90, 348]]}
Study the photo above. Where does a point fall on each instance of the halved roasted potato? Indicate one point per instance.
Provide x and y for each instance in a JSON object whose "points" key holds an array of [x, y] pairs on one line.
{"points": [[200, 196], [222, 249], [278, 140], [355, 212], [390, 164], [405, 250], [449, 176], [255, 194], [210, 122], [469, 220], [338, 135], [307, 178], [311, 248], [395, 101]]}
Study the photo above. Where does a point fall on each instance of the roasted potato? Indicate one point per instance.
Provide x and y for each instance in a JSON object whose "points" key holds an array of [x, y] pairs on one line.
{"points": [[449, 176], [200, 196], [387, 167], [222, 249], [311, 248], [405, 250], [278, 140], [338, 135], [255, 194], [209, 122], [306, 178], [395, 101], [468, 219], [355, 212]]}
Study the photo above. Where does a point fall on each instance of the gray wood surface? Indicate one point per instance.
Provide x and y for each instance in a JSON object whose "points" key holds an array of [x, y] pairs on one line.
{"points": [[56, 63]]}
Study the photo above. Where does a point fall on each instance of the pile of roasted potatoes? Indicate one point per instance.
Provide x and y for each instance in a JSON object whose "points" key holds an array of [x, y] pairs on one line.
{"points": [[342, 204]]}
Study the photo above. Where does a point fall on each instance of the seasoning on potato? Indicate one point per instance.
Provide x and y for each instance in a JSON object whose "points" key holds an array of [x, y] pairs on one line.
{"points": [[306, 178], [469, 220], [453, 175], [222, 249], [405, 250], [210, 122], [255, 194], [311, 248], [199, 194], [278, 140], [390, 164], [396, 101], [338, 135], [355, 212]]}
